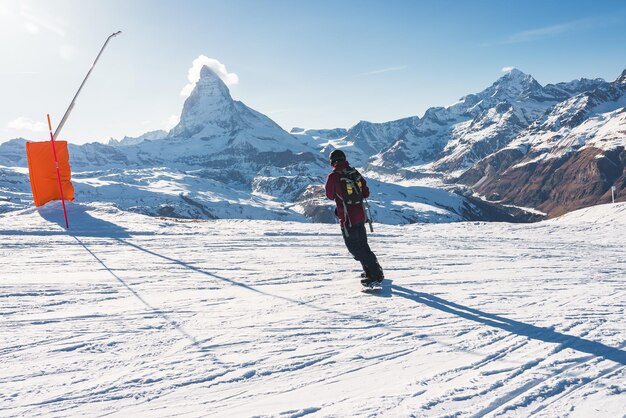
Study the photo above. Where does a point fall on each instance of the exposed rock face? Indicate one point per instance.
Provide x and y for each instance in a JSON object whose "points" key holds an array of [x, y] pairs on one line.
{"points": [[554, 186], [582, 180], [489, 167]]}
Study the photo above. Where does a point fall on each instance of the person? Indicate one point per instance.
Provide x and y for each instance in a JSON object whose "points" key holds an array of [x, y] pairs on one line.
{"points": [[352, 215]]}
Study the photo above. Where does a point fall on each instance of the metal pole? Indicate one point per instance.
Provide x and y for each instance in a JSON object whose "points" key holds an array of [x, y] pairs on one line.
{"points": [[69, 109], [56, 163], [368, 214], [613, 194]]}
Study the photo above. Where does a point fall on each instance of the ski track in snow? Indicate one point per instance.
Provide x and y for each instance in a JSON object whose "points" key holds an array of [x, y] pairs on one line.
{"points": [[130, 315]]}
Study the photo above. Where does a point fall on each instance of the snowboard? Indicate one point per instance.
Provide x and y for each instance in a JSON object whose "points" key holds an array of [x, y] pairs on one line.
{"points": [[372, 287]]}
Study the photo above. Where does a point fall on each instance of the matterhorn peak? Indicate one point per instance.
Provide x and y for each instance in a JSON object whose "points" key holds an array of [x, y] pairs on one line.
{"points": [[207, 73], [209, 108], [210, 84], [211, 114]]}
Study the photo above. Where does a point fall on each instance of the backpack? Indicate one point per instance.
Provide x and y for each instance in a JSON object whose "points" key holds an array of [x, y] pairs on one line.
{"points": [[352, 186]]}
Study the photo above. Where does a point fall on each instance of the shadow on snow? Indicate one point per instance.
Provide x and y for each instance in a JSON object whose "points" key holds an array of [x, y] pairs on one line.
{"points": [[81, 222], [547, 335], [85, 225]]}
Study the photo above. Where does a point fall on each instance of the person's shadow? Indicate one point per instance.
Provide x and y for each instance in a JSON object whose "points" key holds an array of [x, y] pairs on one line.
{"points": [[515, 327]]}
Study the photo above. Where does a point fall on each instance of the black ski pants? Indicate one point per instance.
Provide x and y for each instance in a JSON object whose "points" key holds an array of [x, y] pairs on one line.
{"points": [[356, 241]]}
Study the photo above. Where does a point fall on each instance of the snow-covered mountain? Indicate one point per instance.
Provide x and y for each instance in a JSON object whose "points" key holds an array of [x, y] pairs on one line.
{"points": [[13, 153], [361, 141], [127, 140], [191, 194], [214, 131], [478, 139], [220, 134], [223, 151], [222, 160], [451, 139], [229, 126], [225, 160], [567, 159]]}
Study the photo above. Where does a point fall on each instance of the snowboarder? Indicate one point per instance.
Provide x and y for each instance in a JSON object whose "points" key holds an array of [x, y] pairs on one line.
{"points": [[348, 189]]}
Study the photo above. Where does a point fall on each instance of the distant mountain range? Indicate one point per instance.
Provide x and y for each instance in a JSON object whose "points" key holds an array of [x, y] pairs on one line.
{"points": [[568, 158], [551, 148]]}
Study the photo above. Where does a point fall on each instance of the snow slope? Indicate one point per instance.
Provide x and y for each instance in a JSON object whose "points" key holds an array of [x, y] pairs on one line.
{"points": [[129, 315], [194, 194]]}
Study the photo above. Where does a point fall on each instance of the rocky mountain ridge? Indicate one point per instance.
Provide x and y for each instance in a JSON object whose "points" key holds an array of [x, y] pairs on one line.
{"points": [[569, 158]]}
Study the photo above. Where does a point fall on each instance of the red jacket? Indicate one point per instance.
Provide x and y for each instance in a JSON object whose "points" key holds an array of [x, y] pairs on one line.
{"points": [[334, 191]]}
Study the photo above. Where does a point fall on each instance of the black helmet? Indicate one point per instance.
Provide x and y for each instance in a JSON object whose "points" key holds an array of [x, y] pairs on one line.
{"points": [[336, 156]]}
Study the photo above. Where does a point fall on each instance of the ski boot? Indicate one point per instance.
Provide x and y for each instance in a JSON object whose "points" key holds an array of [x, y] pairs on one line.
{"points": [[377, 280]]}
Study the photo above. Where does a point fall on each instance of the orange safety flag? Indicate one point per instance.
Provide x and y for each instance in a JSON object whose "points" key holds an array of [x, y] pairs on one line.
{"points": [[43, 174]]}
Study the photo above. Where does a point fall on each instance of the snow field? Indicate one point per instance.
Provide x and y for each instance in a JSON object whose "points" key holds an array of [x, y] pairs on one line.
{"points": [[129, 315]]}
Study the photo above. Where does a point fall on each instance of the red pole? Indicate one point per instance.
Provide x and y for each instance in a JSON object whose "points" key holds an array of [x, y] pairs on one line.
{"points": [[56, 163]]}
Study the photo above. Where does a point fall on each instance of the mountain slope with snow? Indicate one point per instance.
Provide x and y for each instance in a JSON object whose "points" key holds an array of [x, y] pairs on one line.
{"points": [[225, 160], [211, 114], [131, 315], [453, 138], [569, 158], [195, 195], [214, 164]]}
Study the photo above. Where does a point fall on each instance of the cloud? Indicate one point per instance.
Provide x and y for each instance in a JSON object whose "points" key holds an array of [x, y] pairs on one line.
{"points": [[193, 74], [507, 69], [538, 34], [26, 124], [385, 70], [542, 33]]}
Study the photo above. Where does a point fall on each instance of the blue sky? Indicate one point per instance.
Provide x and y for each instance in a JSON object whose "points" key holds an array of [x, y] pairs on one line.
{"points": [[312, 64]]}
